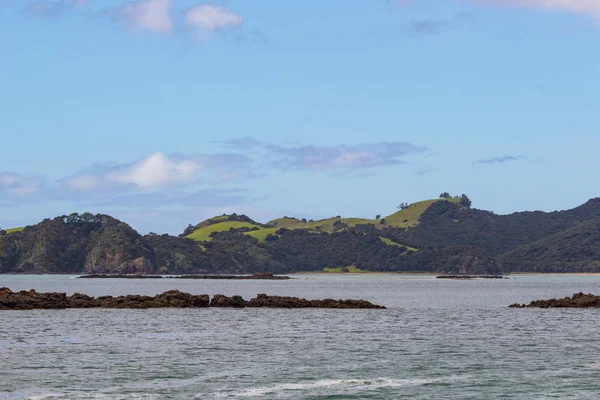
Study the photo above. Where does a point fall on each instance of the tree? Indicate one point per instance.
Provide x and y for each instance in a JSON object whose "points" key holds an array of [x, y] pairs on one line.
{"points": [[445, 195], [403, 206], [2, 232], [465, 201], [383, 222], [377, 216]]}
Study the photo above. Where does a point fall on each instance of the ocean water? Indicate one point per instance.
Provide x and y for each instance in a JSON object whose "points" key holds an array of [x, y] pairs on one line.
{"points": [[439, 339]]}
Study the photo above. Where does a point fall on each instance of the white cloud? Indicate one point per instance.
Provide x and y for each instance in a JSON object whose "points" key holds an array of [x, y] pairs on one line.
{"points": [[156, 170], [591, 7], [150, 15], [206, 18]]}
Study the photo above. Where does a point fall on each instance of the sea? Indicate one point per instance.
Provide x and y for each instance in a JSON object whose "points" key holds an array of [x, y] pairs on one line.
{"points": [[439, 339]]}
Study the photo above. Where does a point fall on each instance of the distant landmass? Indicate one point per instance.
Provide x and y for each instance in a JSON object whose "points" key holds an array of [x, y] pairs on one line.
{"points": [[444, 235]]}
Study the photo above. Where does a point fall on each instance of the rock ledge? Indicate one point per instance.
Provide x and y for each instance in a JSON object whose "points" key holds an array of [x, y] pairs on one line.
{"points": [[32, 300], [578, 300]]}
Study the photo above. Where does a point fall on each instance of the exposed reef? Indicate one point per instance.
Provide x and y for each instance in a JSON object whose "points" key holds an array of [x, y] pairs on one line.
{"points": [[32, 300], [578, 300], [257, 276], [463, 277]]}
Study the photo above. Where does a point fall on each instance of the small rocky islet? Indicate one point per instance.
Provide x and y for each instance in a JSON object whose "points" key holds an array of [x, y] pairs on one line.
{"points": [[256, 276], [578, 300], [33, 300], [468, 277]]}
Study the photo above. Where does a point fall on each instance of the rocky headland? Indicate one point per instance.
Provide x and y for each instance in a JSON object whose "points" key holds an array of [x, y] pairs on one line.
{"points": [[578, 300], [32, 300]]}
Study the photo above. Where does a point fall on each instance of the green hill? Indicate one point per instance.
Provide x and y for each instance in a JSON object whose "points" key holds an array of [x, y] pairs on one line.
{"points": [[411, 215], [441, 236], [203, 234]]}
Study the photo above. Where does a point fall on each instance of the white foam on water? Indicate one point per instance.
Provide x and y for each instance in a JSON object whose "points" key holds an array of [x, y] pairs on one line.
{"points": [[356, 385], [29, 395]]}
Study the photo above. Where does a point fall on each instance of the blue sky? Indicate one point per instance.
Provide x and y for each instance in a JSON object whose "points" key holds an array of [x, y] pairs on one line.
{"points": [[163, 113]]}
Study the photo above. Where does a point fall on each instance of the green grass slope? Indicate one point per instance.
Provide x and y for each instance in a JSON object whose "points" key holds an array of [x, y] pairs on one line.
{"points": [[406, 218], [390, 242], [13, 230], [202, 234], [262, 233], [323, 225], [409, 217]]}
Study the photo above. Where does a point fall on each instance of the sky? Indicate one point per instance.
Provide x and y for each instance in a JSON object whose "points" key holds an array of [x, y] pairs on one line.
{"points": [[165, 112]]}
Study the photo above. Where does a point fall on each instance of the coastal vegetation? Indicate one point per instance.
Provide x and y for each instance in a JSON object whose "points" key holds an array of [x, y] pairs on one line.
{"points": [[444, 235]]}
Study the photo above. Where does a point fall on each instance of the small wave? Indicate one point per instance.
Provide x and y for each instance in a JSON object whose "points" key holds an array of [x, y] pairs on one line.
{"points": [[28, 396], [356, 385]]}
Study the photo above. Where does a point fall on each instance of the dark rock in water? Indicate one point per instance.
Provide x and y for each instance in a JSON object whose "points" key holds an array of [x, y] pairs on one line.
{"points": [[578, 300], [258, 275], [262, 300], [471, 277], [220, 300], [119, 276], [32, 300]]}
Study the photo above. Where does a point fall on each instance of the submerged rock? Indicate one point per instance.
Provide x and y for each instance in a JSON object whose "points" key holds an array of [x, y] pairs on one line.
{"points": [[32, 300], [578, 300]]}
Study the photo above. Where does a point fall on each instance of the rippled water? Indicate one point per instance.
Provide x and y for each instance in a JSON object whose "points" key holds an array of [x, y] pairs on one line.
{"points": [[439, 340]]}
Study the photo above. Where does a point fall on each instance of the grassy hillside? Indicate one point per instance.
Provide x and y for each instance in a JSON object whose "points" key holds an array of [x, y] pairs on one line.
{"points": [[406, 218], [203, 234], [409, 217], [323, 225], [262, 233], [390, 242], [12, 230]]}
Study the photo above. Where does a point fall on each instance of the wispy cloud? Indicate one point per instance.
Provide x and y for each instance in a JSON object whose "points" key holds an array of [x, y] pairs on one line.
{"points": [[499, 160], [207, 18], [17, 186], [424, 27], [52, 8], [159, 171], [148, 15], [589, 7], [424, 171], [156, 179], [333, 158]]}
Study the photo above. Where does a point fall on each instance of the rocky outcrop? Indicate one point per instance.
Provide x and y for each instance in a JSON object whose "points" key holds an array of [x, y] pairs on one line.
{"points": [[220, 300], [259, 276], [32, 300], [462, 277], [264, 301], [578, 300]]}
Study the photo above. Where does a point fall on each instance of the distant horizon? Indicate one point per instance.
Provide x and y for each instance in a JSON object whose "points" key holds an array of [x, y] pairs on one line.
{"points": [[164, 113]]}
